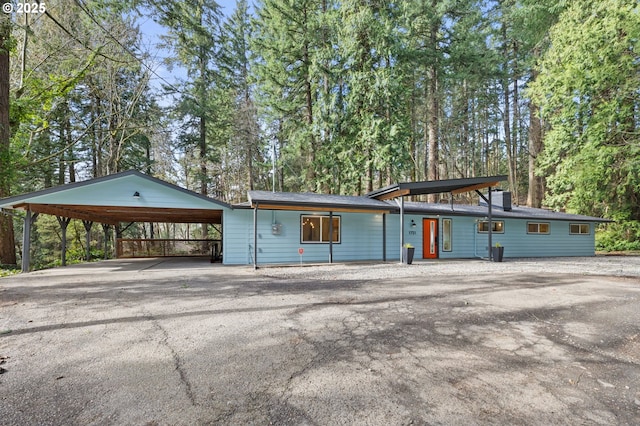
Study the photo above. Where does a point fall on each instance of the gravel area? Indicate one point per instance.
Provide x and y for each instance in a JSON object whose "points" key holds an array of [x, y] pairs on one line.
{"points": [[618, 266], [185, 342]]}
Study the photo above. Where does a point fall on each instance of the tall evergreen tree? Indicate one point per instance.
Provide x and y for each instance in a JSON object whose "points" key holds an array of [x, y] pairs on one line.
{"points": [[286, 41], [243, 153], [7, 242], [589, 91]]}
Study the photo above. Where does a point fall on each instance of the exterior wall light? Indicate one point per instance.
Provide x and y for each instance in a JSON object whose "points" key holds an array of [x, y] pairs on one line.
{"points": [[413, 223], [136, 194]]}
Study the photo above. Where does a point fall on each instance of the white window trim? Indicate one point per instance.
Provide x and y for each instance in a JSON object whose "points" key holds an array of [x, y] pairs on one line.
{"points": [[539, 223], [580, 225], [303, 216], [487, 231]]}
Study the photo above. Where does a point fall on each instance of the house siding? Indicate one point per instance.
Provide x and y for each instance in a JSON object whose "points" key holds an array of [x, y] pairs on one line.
{"points": [[468, 243], [361, 238], [558, 242]]}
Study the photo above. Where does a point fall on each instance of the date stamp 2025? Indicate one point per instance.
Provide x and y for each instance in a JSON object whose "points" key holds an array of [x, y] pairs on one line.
{"points": [[24, 7]]}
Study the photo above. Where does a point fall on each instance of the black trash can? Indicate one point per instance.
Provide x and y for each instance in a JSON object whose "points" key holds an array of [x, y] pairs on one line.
{"points": [[407, 255], [497, 253]]}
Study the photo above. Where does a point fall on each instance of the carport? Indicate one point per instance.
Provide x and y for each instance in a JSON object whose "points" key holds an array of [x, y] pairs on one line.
{"points": [[126, 197], [452, 186]]}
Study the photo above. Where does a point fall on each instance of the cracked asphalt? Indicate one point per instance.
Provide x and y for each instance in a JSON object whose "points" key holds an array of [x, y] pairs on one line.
{"points": [[184, 342]]}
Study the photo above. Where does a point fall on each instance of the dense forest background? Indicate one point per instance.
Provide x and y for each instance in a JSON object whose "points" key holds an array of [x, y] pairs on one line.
{"points": [[330, 96]]}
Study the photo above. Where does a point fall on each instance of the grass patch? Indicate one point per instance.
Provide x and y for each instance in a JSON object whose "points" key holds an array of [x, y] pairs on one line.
{"points": [[7, 270]]}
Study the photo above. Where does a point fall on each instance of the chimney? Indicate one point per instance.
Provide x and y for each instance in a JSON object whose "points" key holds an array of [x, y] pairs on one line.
{"points": [[499, 198]]}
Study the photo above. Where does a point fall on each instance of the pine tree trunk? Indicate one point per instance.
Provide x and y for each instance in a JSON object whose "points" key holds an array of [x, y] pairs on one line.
{"points": [[432, 108], [507, 114], [535, 192], [432, 130], [536, 183], [7, 239]]}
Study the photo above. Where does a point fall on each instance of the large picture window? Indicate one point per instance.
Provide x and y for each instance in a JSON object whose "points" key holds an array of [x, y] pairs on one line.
{"points": [[497, 226], [579, 229], [315, 229], [537, 228]]}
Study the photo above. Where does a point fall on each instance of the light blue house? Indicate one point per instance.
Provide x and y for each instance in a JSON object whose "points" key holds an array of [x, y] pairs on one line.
{"points": [[277, 228], [366, 230]]}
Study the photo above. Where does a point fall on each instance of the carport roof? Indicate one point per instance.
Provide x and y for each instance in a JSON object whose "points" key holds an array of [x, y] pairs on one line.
{"points": [[129, 196], [454, 186]]}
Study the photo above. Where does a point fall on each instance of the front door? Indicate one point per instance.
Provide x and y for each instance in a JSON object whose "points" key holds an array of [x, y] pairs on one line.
{"points": [[430, 238]]}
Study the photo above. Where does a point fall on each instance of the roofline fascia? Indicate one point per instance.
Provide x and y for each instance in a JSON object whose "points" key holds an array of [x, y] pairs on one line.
{"points": [[8, 202], [319, 206]]}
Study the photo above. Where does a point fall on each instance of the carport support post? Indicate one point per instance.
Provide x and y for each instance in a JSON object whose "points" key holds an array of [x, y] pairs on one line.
{"points": [[64, 222], [106, 227], [490, 227], [255, 237], [401, 229], [384, 237], [489, 220], [26, 240], [87, 226]]}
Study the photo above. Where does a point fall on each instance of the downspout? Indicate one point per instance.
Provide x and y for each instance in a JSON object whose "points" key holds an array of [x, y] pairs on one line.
{"points": [[475, 239], [330, 237]]}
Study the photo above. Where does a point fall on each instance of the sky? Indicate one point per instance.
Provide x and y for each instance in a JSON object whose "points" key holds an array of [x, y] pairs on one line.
{"points": [[151, 39]]}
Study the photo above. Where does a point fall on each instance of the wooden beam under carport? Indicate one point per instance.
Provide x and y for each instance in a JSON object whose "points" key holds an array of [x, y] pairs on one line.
{"points": [[474, 187], [394, 194], [64, 211]]}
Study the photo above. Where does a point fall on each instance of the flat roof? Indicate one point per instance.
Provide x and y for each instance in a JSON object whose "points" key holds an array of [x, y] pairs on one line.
{"points": [[343, 203], [454, 186], [516, 212]]}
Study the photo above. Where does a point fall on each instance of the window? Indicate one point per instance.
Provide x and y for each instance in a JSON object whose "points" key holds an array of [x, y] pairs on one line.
{"points": [[537, 228], [497, 226], [315, 229], [579, 229], [446, 235]]}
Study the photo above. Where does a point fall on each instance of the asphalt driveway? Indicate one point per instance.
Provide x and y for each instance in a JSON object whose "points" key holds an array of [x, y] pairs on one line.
{"points": [[183, 342]]}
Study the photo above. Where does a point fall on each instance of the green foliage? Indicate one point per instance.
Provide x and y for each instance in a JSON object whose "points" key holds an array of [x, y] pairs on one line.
{"points": [[619, 236], [589, 91], [347, 95], [8, 270]]}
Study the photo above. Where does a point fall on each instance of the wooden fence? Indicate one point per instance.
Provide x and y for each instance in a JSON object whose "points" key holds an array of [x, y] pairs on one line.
{"points": [[143, 247]]}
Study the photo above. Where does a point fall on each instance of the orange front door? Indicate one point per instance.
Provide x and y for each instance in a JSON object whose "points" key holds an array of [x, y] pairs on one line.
{"points": [[430, 238]]}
